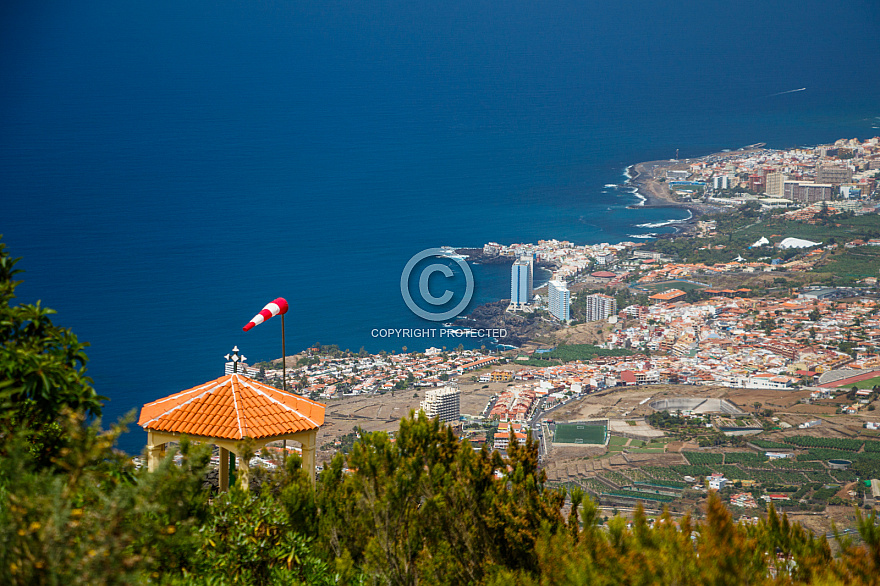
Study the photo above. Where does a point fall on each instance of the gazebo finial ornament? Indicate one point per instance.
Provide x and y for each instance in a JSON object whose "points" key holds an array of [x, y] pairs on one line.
{"points": [[235, 358]]}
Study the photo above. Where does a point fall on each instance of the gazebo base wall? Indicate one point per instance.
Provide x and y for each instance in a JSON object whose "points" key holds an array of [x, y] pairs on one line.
{"points": [[156, 441]]}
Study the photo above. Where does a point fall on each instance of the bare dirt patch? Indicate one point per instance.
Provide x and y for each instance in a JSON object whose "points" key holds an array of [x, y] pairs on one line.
{"points": [[769, 399], [640, 430], [589, 333], [384, 412]]}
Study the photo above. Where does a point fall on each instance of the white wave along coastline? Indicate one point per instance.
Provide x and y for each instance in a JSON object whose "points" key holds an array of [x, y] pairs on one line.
{"points": [[667, 222]]}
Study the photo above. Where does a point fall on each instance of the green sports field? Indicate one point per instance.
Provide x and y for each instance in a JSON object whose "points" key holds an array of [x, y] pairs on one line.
{"points": [[579, 433]]}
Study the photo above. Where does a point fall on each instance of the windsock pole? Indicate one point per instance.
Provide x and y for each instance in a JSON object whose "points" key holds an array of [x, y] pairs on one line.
{"points": [[283, 358], [278, 306], [283, 383]]}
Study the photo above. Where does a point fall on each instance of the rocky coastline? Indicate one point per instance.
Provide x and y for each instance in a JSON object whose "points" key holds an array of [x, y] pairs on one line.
{"points": [[521, 329], [477, 255]]}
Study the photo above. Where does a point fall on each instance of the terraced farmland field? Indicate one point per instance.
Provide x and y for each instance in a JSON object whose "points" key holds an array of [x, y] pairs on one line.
{"points": [[703, 458], [814, 454], [616, 477], [638, 475], [843, 475], [665, 484], [816, 476], [663, 472], [594, 485], [768, 445], [832, 443], [745, 458], [784, 463], [640, 495], [872, 446], [778, 477], [690, 471]]}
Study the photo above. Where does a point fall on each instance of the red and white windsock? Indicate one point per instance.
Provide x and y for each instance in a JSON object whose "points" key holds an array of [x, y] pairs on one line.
{"points": [[271, 310]]}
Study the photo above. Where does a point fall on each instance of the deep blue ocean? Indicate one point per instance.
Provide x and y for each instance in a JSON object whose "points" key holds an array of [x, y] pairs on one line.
{"points": [[167, 168]]}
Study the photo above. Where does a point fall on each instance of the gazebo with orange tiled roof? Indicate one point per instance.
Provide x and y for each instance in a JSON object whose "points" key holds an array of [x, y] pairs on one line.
{"points": [[226, 410]]}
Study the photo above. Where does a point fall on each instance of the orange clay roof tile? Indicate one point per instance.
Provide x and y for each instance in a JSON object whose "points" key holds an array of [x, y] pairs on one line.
{"points": [[232, 407]]}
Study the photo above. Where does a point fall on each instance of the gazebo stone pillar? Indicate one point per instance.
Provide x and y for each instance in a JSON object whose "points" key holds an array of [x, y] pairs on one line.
{"points": [[309, 448], [156, 448]]}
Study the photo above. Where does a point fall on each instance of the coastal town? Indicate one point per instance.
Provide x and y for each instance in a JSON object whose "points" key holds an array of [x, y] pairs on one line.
{"points": [[701, 374], [770, 335]]}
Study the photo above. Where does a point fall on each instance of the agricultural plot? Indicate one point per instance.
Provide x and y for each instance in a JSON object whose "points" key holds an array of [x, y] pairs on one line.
{"points": [[872, 446], [745, 458], [579, 433], [572, 352], [690, 471], [777, 477], [823, 494], [816, 476], [865, 263], [843, 475], [565, 484], [617, 441], [788, 463], [639, 495], [663, 473], [832, 443], [703, 458], [768, 445], [639, 475], [594, 486], [662, 445], [616, 478], [664, 484], [733, 472], [824, 454]]}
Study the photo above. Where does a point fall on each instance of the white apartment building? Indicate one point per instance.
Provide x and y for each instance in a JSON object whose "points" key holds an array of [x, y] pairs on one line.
{"points": [[600, 307], [443, 403], [560, 300]]}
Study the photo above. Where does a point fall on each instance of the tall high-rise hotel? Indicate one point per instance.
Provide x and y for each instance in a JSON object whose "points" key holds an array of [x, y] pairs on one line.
{"points": [[560, 300], [521, 281]]}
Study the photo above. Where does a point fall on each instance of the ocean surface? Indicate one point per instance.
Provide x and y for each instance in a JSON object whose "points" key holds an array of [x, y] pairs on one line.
{"points": [[167, 168]]}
